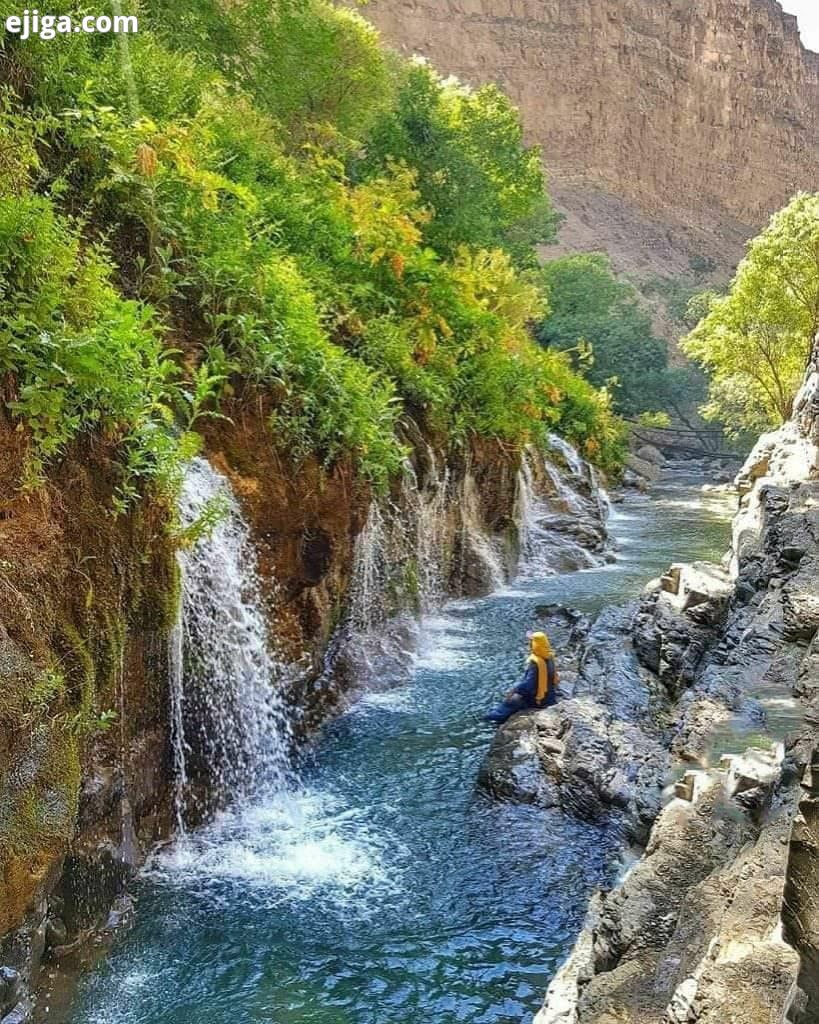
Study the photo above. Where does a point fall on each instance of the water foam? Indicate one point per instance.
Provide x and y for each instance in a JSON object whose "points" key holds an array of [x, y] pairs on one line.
{"points": [[288, 846]]}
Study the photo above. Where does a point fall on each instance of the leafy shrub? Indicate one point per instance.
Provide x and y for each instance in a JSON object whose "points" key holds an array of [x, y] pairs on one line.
{"points": [[485, 188], [77, 355], [597, 318], [305, 216]]}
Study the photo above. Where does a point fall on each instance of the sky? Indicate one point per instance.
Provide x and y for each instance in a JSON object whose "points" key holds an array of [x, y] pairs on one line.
{"points": [[808, 13]]}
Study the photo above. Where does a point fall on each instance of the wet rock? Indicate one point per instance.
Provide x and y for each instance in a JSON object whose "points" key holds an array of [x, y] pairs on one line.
{"points": [[56, 932], [513, 767], [91, 881], [648, 453], [21, 1014], [670, 642], [648, 471], [634, 480], [561, 999], [688, 586], [567, 628], [800, 908], [100, 794], [9, 988], [595, 754], [691, 929]]}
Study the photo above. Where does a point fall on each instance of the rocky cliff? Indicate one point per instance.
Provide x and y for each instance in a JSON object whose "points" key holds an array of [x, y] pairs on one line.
{"points": [[709, 732], [668, 127]]}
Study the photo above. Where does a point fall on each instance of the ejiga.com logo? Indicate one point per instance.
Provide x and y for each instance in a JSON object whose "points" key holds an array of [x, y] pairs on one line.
{"points": [[31, 23]]}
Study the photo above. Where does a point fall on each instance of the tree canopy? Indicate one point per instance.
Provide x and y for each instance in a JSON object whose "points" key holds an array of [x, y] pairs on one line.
{"points": [[598, 319], [481, 184], [754, 342]]}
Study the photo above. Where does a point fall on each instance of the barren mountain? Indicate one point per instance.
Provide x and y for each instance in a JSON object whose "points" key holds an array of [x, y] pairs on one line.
{"points": [[670, 128]]}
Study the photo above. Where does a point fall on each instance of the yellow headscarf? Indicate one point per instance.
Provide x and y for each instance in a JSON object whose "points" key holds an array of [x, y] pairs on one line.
{"points": [[541, 652]]}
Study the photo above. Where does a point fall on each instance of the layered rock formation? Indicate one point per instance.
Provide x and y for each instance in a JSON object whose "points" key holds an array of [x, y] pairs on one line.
{"points": [[718, 919], [668, 127]]}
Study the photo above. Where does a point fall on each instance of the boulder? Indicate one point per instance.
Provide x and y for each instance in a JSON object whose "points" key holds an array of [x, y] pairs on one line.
{"points": [[648, 453], [21, 1014], [634, 480], [687, 586], [643, 468], [512, 769], [9, 988], [595, 754]]}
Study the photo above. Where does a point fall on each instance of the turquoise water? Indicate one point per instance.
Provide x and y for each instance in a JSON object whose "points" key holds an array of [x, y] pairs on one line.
{"points": [[386, 889]]}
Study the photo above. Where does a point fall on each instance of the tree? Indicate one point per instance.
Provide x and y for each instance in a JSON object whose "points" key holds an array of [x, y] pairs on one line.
{"points": [[484, 187], [755, 341], [591, 307]]}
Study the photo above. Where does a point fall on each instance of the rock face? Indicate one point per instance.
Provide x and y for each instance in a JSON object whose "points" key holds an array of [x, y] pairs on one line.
{"points": [[693, 113], [596, 754], [86, 603], [718, 920]]}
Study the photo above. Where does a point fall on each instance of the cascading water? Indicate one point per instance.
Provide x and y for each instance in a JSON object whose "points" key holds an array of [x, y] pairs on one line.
{"points": [[230, 726], [570, 455], [176, 686], [371, 569], [427, 511], [557, 526], [232, 732], [400, 555], [477, 547]]}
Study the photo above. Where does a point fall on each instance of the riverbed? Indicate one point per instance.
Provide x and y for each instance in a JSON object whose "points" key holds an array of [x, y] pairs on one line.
{"points": [[384, 887]]}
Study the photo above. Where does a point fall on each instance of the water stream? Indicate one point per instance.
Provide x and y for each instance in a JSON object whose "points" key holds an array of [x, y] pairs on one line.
{"points": [[384, 888]]}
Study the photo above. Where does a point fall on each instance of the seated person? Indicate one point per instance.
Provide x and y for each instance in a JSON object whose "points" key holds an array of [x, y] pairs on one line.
{"points": [[537, 688]]}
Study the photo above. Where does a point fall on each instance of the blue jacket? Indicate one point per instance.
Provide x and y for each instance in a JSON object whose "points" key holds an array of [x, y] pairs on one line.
{"points": [[524, 695]]}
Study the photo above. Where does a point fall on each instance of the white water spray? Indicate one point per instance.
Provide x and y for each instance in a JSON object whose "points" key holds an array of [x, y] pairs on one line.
{"points": [[230, 725], [574, 461], [476, 544], [426, 511], [371, 567], [176, 685], [551, 515]]}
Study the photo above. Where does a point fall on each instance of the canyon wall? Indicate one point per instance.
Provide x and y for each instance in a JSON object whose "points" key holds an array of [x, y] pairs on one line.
{"points": [[668, 126]]}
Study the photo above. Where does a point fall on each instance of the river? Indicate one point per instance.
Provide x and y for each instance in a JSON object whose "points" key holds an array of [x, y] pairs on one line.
{"points": [[384, 887]]}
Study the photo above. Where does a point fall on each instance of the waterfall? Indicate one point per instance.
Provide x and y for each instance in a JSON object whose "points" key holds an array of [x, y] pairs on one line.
{"points": [[575, 463], [371, 564], [400, 555], [427, 512], [557, 525], [230, 725], [176, 685], [477, 546]]}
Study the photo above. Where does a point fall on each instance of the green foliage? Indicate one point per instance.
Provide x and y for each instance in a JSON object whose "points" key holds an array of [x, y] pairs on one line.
{"points": [[80, 356], [483, 186], [680, 297], [319, 227], [654, 419], [48, 689], [317, 69], [754, 342], [591, 307], [702, 266]]}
